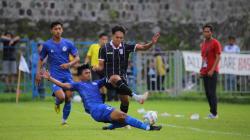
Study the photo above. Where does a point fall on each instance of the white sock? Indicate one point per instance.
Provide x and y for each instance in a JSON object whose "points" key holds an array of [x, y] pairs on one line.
{"points": [[63, 121], [135, 96]]}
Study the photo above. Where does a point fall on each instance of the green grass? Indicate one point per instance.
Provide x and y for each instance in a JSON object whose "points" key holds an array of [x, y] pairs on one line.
{"points": [[37, 120]]}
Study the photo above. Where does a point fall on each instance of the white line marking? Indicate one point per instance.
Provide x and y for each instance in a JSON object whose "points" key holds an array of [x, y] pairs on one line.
{"points": [[206, 131]]}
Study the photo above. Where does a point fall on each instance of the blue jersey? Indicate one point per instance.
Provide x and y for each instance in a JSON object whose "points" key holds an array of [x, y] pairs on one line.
{"points": [[58, 53], [90, 93]]}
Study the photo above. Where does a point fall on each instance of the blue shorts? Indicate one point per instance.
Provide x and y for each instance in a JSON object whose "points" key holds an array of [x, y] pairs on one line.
{"points": [[67, 79], [102, 113]]}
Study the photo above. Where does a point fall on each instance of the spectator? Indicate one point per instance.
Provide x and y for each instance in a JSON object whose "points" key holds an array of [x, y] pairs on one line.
{"points": [[131, 76], [161, 70], [9, 60], [151, 75], [230, 79], [37, 89]]}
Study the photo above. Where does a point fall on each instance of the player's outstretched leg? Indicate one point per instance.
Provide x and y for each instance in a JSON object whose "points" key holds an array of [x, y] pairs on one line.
{"points": [[121, 119], [123, 89]]}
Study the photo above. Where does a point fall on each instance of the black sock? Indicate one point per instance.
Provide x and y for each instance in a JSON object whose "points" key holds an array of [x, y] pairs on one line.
{"points": [[123, 89], [124, 108]]}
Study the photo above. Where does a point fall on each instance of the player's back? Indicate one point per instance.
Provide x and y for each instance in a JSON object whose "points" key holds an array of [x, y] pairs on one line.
{"points": [[90, 94]]}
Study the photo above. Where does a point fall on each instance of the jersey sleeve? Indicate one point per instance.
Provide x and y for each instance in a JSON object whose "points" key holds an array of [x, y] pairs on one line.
{"points": [[130, 47], [73, 49], [101, 82], [102, 54], [74, 86], [44, 52], [217, 47]]}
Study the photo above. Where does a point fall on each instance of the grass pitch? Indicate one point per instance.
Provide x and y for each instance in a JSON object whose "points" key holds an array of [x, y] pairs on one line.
{"points": [[38, 121]]}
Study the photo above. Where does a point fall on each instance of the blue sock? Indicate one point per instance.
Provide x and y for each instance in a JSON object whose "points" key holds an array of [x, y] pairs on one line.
{"points": [[66, 110], [136, 123]]}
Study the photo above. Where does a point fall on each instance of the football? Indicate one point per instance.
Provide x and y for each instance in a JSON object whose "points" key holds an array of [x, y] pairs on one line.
{"points": [[77, 99], [150, 117]]}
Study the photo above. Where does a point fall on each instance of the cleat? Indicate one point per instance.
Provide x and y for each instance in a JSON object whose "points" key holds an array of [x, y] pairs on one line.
{"points": [[127, 127], [57, 109], [106, 128], [64, 124], [142, 98], [155, 128], [212, 116]]}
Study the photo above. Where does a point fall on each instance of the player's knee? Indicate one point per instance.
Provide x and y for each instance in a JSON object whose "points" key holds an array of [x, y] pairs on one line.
{"points": [[114, 78], [121, 117], [61, 98]]}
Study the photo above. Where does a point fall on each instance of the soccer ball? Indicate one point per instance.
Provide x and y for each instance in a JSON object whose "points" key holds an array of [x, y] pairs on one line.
{"points": [[77, 98], [150, 117]]}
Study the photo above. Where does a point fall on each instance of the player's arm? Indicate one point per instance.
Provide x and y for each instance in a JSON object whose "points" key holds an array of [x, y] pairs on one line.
{"points": [[148, 45], [100, 67], [102, 57], [47, 76], [217, 60], [71, 63], [43, 55], [88, 57], [73, 52], [38, 72]]}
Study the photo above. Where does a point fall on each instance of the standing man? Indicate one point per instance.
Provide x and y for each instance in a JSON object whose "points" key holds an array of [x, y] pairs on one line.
{"points": [[93, 53], [113, 59], [92, 57], [9, 60], [58, 50], [230, 79], [211, 54]]}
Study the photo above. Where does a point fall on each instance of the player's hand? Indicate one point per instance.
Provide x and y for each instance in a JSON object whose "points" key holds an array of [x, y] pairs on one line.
{"points": [[38, 78], [65, 66], [94, 68], [46, 75], [155, 38], [210, 73]]}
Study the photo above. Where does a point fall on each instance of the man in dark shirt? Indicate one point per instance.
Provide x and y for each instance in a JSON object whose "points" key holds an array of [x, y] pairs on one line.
{"points": [[113, 59], [9, 60]]}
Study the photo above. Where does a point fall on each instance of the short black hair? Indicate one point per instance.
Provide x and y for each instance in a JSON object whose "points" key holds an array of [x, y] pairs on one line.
{"points": [[81, 68], [102, 34], [55, 23], [211, 28], [118, 28], [231, 37]]}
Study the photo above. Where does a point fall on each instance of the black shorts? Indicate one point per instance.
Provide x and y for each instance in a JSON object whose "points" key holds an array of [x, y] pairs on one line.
{"points": [[96, 75], [110, 86]]}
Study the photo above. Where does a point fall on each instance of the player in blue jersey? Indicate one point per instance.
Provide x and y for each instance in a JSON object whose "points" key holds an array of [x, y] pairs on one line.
{"points": [[93, 104], [58, 50]]}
